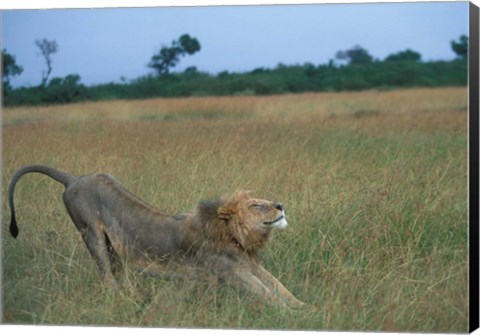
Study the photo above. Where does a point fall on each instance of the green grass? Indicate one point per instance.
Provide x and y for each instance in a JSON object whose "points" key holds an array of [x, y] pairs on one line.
{"points": [[374, 183]]}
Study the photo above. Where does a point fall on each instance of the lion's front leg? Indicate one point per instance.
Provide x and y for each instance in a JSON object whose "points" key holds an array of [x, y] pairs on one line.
{"points": [[276, 287], [244, 279], [167, 271], [177, 271]]}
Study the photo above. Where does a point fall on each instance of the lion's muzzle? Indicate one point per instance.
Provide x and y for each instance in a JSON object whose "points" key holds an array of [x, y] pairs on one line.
{"points": [[280, 221]]}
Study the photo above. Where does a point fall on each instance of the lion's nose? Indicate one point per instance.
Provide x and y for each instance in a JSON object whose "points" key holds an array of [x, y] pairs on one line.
{"points": [[279, 206]]}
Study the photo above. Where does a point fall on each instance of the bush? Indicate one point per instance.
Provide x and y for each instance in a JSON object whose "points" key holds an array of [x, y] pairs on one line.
{"points": [[400, 70]]}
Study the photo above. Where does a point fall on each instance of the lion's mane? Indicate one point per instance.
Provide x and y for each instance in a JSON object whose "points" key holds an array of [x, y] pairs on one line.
{"points": [[227, 230]]}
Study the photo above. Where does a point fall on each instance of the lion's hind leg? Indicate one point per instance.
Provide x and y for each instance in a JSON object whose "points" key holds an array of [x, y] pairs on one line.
{"points": [[115, 260], [93, 234], [94, 237]]}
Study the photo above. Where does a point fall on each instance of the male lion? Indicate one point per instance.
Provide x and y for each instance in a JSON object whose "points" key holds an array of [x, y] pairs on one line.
{"points": [[219, 238]]}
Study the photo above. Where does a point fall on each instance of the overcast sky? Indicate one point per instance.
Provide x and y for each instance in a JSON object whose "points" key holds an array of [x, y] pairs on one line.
{"points": [[102, 45]]}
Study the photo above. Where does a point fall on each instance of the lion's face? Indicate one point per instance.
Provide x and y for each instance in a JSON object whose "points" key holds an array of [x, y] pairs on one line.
{"points": [[263, 213], [250, 220], [259, 213]]}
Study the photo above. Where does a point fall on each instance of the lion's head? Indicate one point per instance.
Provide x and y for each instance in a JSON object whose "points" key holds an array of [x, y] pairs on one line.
{"points": [[241, 221]]}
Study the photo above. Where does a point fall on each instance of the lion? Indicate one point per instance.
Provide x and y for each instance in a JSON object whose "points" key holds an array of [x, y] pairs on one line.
{"points": [[220, 238]]}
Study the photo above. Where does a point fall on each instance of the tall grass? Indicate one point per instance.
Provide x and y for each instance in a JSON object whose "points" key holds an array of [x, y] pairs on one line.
{"points": [[375, 187]]}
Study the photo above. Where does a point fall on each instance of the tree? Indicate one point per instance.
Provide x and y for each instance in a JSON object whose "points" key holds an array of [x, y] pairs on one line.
{"points": [[10, 68], [404, 56], [190, 45], [168, 57], [65, 90], [47, 48], [355, 56], [461, 47]]}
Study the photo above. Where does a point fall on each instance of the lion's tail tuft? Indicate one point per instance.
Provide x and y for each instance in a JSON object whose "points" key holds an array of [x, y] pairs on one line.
{"points": [[61, 177], [13, 226]]}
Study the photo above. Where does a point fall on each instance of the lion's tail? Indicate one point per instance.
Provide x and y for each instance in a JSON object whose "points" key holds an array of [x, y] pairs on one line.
{"points": [[61, 177]]}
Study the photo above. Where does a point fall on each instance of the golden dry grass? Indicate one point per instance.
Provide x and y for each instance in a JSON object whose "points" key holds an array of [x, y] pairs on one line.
{"points": [[375, 185]]}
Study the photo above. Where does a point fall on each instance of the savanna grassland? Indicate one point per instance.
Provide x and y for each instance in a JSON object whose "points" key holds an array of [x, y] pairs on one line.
{"points": [[374, 184]]}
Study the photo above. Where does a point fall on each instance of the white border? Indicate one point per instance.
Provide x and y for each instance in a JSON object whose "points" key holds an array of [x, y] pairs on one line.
{"points": [[56, 4], [50, 4]]}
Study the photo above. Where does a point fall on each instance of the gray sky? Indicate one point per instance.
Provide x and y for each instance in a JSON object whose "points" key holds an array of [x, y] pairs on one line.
{"points": [[102, 45]]}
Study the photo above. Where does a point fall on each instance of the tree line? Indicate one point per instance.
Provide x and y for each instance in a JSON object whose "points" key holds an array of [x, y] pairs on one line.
{"points": [[352, 69]]}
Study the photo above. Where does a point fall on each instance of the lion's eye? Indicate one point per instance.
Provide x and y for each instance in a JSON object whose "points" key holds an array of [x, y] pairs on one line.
{"points": [[257, 206]]}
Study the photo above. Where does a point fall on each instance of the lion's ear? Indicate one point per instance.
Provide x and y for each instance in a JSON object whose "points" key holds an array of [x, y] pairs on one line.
{"points": [[232, 203], [227, 211], [241, 195]]}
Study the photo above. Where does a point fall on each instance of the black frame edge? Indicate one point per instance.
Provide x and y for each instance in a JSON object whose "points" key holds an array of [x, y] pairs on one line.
{"points": [[473, 168]]}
